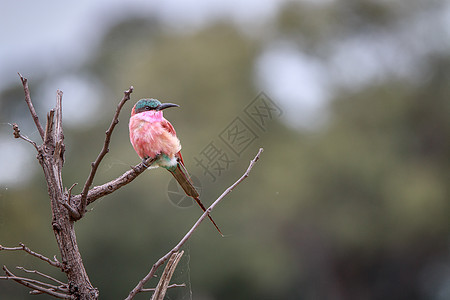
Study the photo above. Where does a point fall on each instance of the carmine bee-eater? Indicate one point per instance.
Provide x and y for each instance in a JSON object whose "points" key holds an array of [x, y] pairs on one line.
{"points": [[153, 136]]}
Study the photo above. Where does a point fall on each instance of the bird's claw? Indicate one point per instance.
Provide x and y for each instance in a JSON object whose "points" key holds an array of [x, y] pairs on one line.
{"points": [[143, 162], [152, 161]]}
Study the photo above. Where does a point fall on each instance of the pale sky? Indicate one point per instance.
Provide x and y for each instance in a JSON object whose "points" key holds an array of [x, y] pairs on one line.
{"points": [[39, 37]]}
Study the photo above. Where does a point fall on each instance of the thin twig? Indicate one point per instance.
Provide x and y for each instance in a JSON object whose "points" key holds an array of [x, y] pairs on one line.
{"points": [[69, 196], [58, 116], [58, 134], [30, 105], [41, 274], [105, 149], [18, 135], [38, 289], [64, 288], [173, 285], [66, 203], [35, 285], [142, 282], [72, 211], [22, 247], [36, 292]]}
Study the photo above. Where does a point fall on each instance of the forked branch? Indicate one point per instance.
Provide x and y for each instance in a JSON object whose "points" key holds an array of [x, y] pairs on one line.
{"points": [[163, 284], [30, 105], [38, 286], [43, 275], [18, 135], [22, 247]]}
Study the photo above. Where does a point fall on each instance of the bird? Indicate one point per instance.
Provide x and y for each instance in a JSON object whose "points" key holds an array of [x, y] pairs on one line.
{"points": [[152, 136]]}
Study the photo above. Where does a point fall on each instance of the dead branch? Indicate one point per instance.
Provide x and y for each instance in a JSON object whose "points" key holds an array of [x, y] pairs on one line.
{"points": [[109, 187], [42, 274], [59, 136], [49, 126], [51, 158], [18, 135], [66, 203], [36, 285], [105, 149], [138, 288], [30, 105], [72, 211], [22, 247], [166, 276], [174, 285], [66, 209]]}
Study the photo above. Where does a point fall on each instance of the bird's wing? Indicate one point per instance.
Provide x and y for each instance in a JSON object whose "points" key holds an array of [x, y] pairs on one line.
{"points": [[167, 126], [179, 157]]}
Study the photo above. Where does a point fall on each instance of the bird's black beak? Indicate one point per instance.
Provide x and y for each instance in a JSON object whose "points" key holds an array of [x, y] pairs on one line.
{"points": [[167, 105]]}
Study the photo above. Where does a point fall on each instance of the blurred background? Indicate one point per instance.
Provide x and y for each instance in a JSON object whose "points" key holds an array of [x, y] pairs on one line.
{"points": [[350, 100]]}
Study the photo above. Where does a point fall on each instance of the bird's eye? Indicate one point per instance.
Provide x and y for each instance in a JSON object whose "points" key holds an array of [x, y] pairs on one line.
{"points": [[147, 108]]}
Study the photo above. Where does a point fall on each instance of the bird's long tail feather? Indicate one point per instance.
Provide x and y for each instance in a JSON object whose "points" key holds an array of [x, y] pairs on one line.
{"points": [[182, 176]]}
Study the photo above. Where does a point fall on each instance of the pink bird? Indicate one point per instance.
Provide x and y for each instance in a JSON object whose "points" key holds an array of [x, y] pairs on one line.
{"points": [[152, 136]]}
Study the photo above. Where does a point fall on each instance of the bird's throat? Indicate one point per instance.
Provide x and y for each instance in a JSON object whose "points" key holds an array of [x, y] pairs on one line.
{"points": [[151, 116]]}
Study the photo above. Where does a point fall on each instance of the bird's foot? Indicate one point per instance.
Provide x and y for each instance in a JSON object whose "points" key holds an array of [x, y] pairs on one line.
{"points": [[151, 161], [143, 162]]}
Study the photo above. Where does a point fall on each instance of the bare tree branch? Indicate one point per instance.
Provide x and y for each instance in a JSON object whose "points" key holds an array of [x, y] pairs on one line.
{"points": [[69, 195], [66, 203], [109, 187], [174, 285], [141, 283], [30, 105], [22, 247], [35, 284], [105, 149], [49, 126], [166, 276], [58, 122], [18, 135], [72, 211], [42, 274]]}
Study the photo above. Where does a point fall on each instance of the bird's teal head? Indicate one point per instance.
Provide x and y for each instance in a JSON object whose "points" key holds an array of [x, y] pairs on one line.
{"points": [[151, 104]]}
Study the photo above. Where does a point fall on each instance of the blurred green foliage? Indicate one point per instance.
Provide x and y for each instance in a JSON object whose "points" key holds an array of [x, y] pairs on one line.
{"points": [[356, 209]]}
